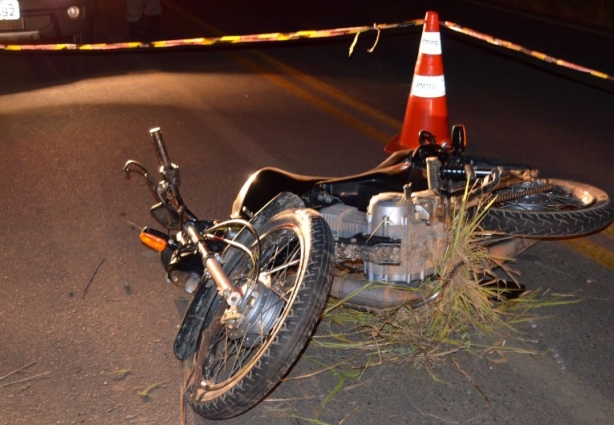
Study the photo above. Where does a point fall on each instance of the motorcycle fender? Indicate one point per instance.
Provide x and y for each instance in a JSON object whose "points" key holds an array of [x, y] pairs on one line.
{"points": [[194, 319]]}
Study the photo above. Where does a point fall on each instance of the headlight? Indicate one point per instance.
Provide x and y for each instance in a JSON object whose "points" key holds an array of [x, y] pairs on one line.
{"points": [[184, 280]]}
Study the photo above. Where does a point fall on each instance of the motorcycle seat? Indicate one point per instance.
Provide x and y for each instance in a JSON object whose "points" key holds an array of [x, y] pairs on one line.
{"points": [[267, 182]]}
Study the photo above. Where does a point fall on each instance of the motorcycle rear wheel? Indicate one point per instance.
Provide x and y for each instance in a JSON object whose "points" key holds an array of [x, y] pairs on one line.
{"points": [[238, 362], [567, 209]]}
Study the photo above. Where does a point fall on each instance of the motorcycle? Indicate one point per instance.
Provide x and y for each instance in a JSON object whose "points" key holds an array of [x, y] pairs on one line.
{"points": [[260, 279]]}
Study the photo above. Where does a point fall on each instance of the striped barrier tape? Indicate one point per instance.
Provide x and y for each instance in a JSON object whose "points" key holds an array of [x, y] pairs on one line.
{"points": [[538, 55], [208, 41], [272, 37]]}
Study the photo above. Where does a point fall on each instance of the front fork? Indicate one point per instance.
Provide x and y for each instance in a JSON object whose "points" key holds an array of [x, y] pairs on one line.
{"points": [[213, 267]]}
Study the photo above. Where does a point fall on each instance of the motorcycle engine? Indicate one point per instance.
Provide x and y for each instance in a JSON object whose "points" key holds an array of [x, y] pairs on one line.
{"points": [[398, 239]]}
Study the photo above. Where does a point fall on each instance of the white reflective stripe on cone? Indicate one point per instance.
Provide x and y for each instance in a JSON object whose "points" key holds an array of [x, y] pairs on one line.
{"points": [[430, 44], [429, 87]]}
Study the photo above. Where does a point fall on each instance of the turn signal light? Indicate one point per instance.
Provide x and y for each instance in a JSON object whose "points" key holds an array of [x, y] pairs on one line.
{"points": [[154, 239]]}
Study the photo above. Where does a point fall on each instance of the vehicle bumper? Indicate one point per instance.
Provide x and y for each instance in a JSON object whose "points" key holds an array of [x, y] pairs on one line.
{"points": [[42, 19]]}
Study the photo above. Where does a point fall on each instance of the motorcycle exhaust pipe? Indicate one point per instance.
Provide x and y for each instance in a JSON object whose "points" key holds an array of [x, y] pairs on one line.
{"points": [[376, 298], [388, 296], [510, 248]]}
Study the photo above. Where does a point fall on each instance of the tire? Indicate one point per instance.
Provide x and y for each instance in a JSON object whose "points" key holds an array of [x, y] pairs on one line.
{"points": [[238, 363], [567, 209]]}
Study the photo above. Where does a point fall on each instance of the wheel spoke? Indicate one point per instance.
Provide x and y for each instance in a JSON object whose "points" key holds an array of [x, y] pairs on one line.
{"points": [[282, 267], [242, 353]]}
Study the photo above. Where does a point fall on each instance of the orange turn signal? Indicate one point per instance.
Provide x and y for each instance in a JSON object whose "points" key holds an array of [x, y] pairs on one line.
{"points": [[155, 242]]}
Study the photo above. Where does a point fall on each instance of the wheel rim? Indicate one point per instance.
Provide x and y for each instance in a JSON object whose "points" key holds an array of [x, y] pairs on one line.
{"points": [[235, 341]]}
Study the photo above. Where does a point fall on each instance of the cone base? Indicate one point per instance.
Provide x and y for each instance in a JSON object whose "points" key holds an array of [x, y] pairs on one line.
{"points": [[394, 144]]}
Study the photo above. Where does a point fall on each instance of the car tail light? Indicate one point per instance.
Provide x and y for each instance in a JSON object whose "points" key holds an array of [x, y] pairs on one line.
{"points": [[73, 12]]}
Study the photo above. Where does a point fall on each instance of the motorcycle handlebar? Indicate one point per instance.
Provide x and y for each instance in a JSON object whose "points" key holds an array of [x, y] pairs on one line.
{"points": [[158, 141]]}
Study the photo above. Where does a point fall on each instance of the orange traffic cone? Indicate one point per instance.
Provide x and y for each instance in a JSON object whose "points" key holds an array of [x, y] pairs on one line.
{"points": [[426, 108]]}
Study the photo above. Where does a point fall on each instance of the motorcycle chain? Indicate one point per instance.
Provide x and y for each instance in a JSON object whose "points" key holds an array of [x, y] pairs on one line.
{"points": [[517, 195]]}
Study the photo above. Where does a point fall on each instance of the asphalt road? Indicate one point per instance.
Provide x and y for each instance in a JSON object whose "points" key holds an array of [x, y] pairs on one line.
{"points": [[82, 299]]}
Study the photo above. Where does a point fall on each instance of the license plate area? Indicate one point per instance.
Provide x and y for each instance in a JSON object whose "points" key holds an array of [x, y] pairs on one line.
{"points": [[17, 25], [9, 10]]}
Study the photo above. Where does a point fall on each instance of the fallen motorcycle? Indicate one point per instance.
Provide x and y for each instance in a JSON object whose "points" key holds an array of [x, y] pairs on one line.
{"points": [[259, 280]]}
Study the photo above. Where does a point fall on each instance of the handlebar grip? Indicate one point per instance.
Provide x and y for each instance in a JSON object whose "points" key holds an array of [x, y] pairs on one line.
{"points": [[158, 141]]}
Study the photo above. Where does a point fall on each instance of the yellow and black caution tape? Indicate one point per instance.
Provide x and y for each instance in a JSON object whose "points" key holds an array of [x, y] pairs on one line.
{"points": [[276, 37], [208, 41], [509, 45]]}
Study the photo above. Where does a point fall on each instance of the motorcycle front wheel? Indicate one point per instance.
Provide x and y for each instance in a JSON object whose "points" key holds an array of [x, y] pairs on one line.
{"points": [[245, 351], [551, 209]]}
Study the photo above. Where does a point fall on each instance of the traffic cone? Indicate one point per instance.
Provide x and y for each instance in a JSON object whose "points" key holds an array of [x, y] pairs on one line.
{"points": [[426, 108]]}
